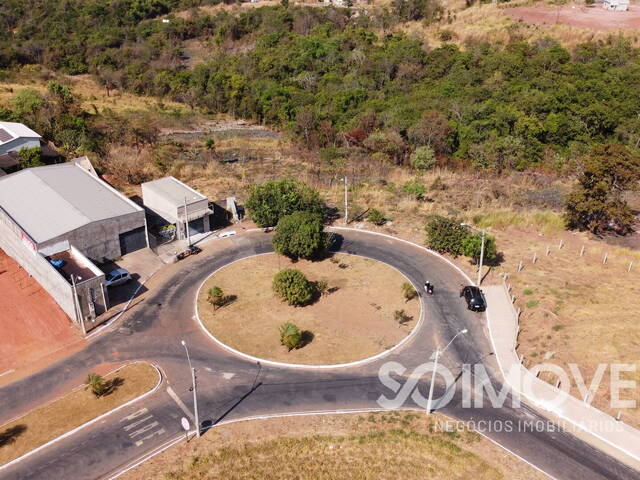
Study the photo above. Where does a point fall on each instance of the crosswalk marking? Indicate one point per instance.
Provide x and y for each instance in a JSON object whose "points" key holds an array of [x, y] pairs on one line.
{"points": [[142, 420], [144, 429], [157, 432], [135, 414]]}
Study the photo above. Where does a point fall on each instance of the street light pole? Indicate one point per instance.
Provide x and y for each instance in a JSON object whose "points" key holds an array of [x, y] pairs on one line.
{"points": [[480, 263], [195, 395], [437, 354]]}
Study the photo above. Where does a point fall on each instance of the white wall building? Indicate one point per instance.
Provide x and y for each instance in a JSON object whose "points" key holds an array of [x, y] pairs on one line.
{"points": [[16, 136]]}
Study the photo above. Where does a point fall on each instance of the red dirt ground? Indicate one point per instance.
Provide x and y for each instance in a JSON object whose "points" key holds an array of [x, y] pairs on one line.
{"points": [[594, 18], [32, 325]]}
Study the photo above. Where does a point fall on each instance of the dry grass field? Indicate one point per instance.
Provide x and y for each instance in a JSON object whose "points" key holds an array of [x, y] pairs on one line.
{"points": [[72, 410], [392, 445], [353, 322]]}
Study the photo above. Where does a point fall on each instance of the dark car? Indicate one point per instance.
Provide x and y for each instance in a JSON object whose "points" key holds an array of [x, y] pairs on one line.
{"points": [[474, 298]]}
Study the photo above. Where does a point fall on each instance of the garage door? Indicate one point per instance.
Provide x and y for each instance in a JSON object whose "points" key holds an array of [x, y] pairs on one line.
{"points": [[132, 240], [196, 226]]}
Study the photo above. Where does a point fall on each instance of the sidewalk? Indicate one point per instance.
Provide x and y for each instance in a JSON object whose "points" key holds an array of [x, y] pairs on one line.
{"points": [[586, 422]]}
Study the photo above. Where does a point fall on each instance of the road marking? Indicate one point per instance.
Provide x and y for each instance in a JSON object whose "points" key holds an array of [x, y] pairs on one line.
{"points": [[142, 440], [228, 375], [144, 429], [180, 403], [7, 372], [135, 414], [134, 424]]}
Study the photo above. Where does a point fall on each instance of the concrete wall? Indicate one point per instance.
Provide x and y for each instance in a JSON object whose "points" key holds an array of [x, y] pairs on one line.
{"points": [[19, 144], [99, 241], [12, 242]]}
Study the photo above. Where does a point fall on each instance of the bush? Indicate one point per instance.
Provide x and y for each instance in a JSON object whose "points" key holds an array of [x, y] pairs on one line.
{"points": [[472, 245], [423, 158], [376, 217], [408, 291], [269, 202], [415, 189], [215, 297], [446, 235], [30, 157], [301, 235], [292, 287], [290, 336]]}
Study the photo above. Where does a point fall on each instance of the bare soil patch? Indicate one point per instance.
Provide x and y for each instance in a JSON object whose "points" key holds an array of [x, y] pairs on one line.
{"points": [[72, 410], [353, 322], [393, 445], [593, 18]]}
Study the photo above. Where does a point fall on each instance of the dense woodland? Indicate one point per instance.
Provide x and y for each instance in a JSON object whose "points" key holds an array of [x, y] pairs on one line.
{"points": [[345, 82]]}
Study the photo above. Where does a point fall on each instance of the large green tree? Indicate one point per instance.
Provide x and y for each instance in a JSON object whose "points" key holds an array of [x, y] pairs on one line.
{"points": [[597, 202], [300, 235], [269, 202]]}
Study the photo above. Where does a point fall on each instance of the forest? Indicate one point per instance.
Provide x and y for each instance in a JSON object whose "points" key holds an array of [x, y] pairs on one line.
{"points": [[346, 84]]}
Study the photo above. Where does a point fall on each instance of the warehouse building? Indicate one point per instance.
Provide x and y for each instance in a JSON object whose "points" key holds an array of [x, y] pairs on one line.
{"points": [[57, 221], [171, 202]]}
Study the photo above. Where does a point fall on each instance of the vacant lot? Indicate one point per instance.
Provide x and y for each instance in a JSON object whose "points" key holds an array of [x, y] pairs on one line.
{"points": [[354, 321], [72, 410], [394, 445], [592, 18]]}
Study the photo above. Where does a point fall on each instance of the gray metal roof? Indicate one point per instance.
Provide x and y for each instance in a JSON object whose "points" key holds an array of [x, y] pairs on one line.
{"points": [[174, 191], [47, 202], [9, 131]]}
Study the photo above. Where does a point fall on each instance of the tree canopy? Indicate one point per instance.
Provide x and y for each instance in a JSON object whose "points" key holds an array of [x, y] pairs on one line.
{"points": [[269, 202], [300, 235]]}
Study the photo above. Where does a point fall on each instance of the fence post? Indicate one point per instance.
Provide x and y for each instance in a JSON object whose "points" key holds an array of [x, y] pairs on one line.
{"points": [[606, 255], [630, 265], [548, 251], [582, 251], [560, 244], [520, 265], [535, 257]]}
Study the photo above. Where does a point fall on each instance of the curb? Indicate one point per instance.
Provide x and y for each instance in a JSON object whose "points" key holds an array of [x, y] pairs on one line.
{"points": [[273, 363], [90, 422]]}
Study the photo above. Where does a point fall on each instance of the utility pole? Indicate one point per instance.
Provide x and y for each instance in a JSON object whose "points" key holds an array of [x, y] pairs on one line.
{"points": [[186, 223], [193, 388], [346, 201], [437, 354]]}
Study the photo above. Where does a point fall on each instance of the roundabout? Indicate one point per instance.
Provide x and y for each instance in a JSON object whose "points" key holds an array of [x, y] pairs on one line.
{"points": [[360, 313]]}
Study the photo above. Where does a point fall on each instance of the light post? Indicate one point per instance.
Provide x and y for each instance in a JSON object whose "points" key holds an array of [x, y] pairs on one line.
{"points": [[435, 367], [346, 200], [193, 381], [481, 250]]}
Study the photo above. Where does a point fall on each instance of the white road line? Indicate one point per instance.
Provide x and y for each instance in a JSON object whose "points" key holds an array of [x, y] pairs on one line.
{"points": [[135, 414], [228, 375], [180, 403], [157, 432], [7, 372], [135, 424], [144, 429]]}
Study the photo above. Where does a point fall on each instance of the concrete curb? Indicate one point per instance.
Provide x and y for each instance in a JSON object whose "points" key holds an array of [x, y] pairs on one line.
{"points": [[272, 363], [90, 422]]}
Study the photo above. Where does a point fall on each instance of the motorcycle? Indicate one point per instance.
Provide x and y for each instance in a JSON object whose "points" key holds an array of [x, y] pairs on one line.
{"points": [[192, 250]]}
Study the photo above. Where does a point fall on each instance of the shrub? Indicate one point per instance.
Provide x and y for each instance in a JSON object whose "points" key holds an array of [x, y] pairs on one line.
{"points": [[401, 317], [472, 245], [415, 189], [423, 158], [269, 202], [97, 384], [408, 291], [30, 157], [292, 287], [446, 235], [376, 217], [322, 287], [215, 297], [301, 235], [290, 336]]}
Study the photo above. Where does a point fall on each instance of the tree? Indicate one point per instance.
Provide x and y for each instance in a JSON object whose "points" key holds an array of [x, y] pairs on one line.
{"points": [[432, 131], [215, 297], [408, 291], [472, 246], [97, 384], [292, 287], [446, 235], [423, 158], [376, 217], [290, 336], [300, 235], [30, 157], [596, 203], [269, 202]]}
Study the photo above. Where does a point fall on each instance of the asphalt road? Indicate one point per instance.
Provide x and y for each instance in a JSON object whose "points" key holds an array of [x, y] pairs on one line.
{"points": [[231, 388]]}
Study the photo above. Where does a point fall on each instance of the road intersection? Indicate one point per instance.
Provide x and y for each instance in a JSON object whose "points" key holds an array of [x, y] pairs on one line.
{"points": [[231, 388]]}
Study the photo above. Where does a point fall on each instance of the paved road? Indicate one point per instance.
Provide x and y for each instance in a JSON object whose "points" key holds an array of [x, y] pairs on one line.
{"points": [[231, 388]]}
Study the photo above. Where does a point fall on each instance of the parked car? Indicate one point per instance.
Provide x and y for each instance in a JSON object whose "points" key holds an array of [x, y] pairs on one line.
{"points": [[474, 298], [117, 277]]}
